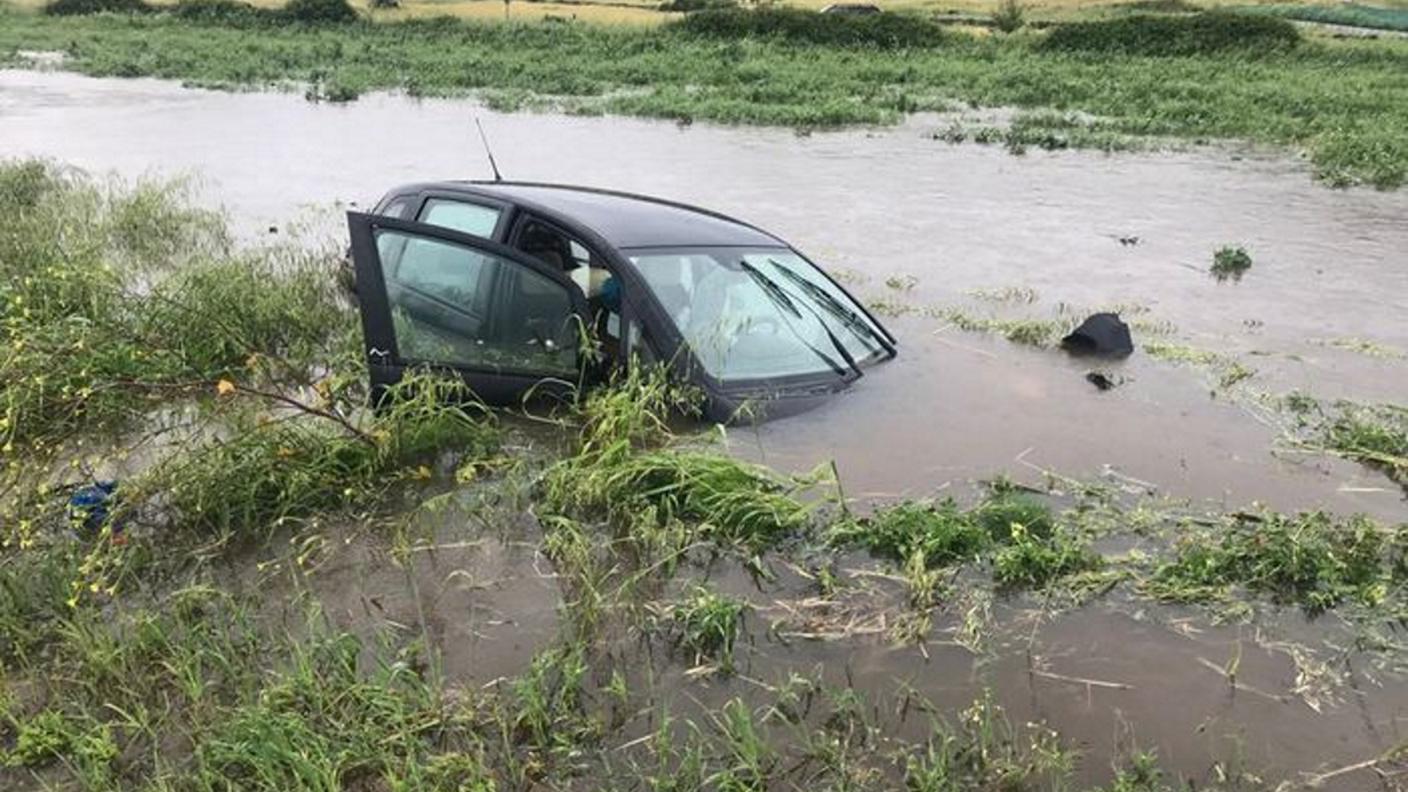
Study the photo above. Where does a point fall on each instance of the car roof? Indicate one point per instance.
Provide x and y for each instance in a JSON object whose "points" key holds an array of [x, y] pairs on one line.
{"points": [[624, 220]]}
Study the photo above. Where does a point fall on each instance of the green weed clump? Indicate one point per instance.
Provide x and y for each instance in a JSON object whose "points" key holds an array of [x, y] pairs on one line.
{"points": [[985, 751], [83, 7], [1019, 535], [618, 472], [726, 500], [52, 736], [707, 624], [34, 590], [303, 464], [317, 12], [224, 12], [800, 26], [1206, 33], [1230, 262], [939, 534], [1030, 561], [1010, 16], [1309, 559], [249, 709], [1028, 332], [550, 697], [1374, 436], [322, 723]]}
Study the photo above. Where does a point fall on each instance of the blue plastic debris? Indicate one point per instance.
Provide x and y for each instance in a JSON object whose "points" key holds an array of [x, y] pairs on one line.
{"points": [[90, 506]]}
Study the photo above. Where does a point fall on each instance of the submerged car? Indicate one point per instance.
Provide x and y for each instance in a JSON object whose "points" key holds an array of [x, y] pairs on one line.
{"points": [[529, 289]]}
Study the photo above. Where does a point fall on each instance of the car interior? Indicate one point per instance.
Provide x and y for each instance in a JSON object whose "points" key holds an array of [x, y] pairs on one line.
{"points": [[562, 252]]}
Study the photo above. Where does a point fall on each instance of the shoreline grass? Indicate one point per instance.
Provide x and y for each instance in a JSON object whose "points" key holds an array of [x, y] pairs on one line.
{"points": [[1344, 103]]}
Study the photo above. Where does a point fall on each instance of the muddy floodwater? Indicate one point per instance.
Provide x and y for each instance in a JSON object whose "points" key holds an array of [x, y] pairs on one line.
{"points": [[1324, 310], [1331, 265]]}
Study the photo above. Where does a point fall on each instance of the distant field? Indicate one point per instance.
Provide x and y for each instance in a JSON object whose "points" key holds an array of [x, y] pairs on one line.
{"points": [[615, 12], [1343, 103], [646, 12]]}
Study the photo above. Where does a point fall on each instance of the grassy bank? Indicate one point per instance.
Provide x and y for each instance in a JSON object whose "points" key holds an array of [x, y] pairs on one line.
{"points": [[1343, 103]]}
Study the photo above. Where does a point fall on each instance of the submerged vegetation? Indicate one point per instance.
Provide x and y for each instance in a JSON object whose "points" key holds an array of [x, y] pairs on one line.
{"points": [[1311, 559], [1230, 262], [1376, 436], [1199, 77]]}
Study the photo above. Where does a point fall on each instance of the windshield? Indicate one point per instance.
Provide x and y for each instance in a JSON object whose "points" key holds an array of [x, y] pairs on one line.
{"points": [[750, 313]]}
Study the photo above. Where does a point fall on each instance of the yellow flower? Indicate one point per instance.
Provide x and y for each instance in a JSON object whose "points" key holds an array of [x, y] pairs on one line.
{"points": [[224, 387]]}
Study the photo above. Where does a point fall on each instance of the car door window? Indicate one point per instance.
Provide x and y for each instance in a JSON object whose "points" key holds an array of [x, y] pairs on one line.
{"points": [[471, 218], [457, 305], [561, 251]]}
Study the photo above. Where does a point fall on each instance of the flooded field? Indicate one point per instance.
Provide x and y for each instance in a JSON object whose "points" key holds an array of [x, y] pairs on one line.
{"points": [[937, 237], [884, 204]]}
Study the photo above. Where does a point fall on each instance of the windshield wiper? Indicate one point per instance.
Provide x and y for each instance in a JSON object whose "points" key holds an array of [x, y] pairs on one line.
{"points": [[834, 306], [772, 288]]}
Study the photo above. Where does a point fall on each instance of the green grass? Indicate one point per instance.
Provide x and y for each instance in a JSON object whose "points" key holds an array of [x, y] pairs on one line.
{"points": [[1226, 371], [1027, 332], [1029, 561], [876, 31], [1375, 436], [1174, 35], [1018, 536], [1310, 559], [110, 293], [706, 624], [1346, 103], [277, 470], [628, 471], [1229, 262]]}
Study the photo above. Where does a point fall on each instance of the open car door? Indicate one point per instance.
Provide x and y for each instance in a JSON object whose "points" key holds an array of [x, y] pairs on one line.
{"points": [[431, 296]]}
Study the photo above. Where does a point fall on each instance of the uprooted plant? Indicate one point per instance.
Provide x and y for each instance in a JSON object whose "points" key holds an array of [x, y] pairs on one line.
{"points": [[1311, 559], [1020, 536]]}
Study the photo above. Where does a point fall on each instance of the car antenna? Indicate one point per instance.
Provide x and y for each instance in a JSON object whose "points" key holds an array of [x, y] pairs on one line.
{"points": [[485, 140]]}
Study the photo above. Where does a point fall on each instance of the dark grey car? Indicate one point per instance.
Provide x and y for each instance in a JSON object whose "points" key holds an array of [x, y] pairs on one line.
{"points": [[538, 288]]}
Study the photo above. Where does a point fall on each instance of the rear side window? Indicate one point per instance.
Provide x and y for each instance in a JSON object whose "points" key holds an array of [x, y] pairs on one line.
{"points": [[398, 208], [461, 216]]}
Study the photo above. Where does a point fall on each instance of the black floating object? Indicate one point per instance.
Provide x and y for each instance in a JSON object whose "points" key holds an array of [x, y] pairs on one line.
{"points": [[1101, 335], [1100, 381]]}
